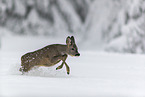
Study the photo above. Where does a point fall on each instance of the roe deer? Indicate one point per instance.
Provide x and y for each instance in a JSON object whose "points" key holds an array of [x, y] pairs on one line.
{"points": [[50, 55]]}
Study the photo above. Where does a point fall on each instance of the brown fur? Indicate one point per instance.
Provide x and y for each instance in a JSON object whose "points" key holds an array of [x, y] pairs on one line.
{"points": [[50, 55]]}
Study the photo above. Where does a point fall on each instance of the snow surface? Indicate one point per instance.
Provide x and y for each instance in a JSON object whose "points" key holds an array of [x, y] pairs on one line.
{"points": [[93, 74]]}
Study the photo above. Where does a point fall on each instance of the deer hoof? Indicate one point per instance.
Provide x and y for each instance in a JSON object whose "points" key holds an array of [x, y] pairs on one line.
{"points": [[68, 73]]}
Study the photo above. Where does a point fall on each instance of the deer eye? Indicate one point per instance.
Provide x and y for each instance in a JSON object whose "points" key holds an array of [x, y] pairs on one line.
{"points": [[73, 49]]}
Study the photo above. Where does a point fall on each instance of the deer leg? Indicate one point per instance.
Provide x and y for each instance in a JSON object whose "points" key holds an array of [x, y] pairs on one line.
{"points": [[67, 68], [59, 67], [63, 58]]}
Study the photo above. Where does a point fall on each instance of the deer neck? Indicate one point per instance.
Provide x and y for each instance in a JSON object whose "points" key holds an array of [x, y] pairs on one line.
{"points": [[63, 49]]}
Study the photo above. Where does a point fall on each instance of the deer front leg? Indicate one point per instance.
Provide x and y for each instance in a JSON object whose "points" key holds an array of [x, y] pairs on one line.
{"points": [[59, 67], [64, 57], [67, 68]]}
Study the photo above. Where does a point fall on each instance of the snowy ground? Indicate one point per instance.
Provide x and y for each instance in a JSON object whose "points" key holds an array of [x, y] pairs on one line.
{"points": [[93, 74]]}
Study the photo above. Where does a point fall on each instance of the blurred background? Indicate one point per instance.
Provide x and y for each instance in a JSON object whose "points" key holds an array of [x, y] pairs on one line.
{"points": [[110, 25]]}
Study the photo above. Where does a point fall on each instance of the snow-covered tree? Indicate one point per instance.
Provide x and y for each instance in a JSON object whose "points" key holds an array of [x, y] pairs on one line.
{"points": [[118, 25], [131, 21], [43, 17]]}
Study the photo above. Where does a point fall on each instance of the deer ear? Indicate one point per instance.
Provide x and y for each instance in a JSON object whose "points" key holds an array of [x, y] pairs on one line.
{"points": [[73, 39], [68, 41]]}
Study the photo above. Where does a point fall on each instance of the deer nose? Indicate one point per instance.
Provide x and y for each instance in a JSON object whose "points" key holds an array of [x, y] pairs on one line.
{"points": [[77, 54]]}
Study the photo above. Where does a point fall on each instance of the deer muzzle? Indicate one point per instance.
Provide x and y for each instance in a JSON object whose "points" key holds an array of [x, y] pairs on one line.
{"points": [[77, 54]]}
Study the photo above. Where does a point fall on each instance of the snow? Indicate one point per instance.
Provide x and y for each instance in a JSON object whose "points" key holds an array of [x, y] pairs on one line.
{"points": [[93, 74]]}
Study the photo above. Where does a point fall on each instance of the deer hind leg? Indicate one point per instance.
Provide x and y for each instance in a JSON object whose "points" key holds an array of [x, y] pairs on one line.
{"points": [[25, 68]]}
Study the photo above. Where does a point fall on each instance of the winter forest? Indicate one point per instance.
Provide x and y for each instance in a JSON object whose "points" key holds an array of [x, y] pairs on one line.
{"points": [[109, 34], [113, 25]]}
